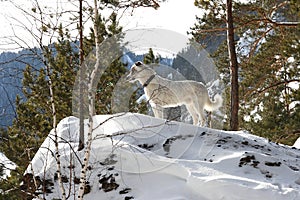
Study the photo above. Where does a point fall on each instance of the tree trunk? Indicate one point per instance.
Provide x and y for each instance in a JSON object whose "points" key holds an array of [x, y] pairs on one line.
{"points": [[57, 155], [234, 107], [91, 109], [81, 89]]}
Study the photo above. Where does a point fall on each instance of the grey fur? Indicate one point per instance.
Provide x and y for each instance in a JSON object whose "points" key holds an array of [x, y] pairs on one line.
{"points": [[163, 93]]}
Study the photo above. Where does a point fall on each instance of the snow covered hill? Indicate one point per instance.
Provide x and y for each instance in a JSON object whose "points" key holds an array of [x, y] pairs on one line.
{"points": [[140, 157]]}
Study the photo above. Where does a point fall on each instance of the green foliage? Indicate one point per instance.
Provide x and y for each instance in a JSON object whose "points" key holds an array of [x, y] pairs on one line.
{"points": [[274, 87], [106, 85], [268, 54], [114, 70], [34, 113], [150, 58], [11, 187], [141, 107]]}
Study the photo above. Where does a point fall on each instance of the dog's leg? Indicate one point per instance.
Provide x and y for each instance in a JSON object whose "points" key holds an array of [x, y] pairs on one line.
{"points": [[193, 113], [157, 111], [200, 112], [202, 117]]}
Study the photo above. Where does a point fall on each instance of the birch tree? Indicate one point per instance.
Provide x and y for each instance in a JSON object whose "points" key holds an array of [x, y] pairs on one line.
{"points": [[92, 78], [116, 6], [47, 86], [91, 106]]}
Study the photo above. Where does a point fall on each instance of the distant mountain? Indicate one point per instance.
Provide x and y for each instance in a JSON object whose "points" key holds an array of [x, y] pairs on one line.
{"points": [[11, 73], [130, 58]]}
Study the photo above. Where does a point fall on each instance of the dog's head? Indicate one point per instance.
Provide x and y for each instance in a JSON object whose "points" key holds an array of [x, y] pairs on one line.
{"points": [[135, 71]]}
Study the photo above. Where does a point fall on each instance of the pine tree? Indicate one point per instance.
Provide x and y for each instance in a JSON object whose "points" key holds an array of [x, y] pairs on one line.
{"points": [[267, 39], [218, 18], [275, 89], [150, 58], [34, 113], [114, 71], [186, 63], [106, 87]]}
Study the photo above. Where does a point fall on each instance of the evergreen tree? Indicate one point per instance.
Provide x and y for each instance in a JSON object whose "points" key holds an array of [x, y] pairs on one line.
{"points": [[106, 87], [186, 63], [150, 58], [274, 89], [267, 39], [114, 71], [34, 113]]}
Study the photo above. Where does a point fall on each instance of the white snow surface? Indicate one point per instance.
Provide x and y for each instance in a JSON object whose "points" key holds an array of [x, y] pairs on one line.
{"points": [[297, 143], [7, 166], [146, 158]]}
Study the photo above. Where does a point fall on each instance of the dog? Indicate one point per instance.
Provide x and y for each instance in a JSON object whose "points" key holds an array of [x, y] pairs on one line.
{"points": [[164, 93]]}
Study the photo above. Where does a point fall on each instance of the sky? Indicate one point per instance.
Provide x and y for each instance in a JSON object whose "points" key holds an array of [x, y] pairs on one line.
{"points": [[174, 15]]}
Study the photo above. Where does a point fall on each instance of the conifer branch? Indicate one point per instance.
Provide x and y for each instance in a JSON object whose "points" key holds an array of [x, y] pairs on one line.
{"points": [[275, 85], [281, 24], [255, 44]]}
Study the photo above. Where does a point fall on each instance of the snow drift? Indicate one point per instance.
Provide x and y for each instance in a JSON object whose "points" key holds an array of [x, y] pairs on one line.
{"points": [[140, 157]]}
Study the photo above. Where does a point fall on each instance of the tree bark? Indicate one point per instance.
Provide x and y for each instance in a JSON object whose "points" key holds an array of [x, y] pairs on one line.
{"points": [[81, 84], [91, 109], [57, 155], [234, 123]]}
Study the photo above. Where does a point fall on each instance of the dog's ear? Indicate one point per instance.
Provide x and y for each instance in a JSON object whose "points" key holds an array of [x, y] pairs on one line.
{"points": [[138, 63]]}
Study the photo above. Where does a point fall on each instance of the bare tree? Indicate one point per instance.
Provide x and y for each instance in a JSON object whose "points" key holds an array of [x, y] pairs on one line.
{"points": [[44, 30], [91, 107], [57, 153], [92, 78]]}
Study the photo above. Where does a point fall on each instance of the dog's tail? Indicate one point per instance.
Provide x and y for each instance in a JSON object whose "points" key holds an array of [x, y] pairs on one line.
{"points": [[213, 105]]}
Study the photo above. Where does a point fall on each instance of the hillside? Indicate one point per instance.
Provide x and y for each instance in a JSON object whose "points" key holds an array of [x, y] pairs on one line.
{"points": [[140, 157], [12, 65]]}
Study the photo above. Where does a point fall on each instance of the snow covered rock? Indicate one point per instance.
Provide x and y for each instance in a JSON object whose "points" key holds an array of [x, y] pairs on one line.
{"points": [[140, 157], [297, 143]]}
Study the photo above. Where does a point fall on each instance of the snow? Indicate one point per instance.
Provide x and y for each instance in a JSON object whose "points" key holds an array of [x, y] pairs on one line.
{"points": [[7, 165], [144, 158], [297, 143]]}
